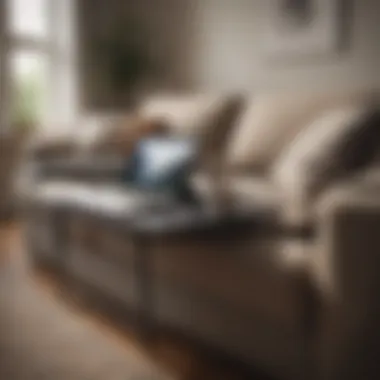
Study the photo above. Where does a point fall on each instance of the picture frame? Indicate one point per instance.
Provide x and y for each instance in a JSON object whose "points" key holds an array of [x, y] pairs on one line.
{"points": [[299, 29]]}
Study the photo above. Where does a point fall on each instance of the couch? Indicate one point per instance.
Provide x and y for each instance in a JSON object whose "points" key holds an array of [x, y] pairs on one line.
{"points": [[297, 308]]}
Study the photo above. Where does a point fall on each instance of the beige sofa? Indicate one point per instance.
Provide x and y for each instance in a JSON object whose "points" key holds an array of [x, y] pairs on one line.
{"points": [[297, 308]]}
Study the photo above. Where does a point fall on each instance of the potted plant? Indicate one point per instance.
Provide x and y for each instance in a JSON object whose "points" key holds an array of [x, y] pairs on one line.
{"points": [[124, 62]]}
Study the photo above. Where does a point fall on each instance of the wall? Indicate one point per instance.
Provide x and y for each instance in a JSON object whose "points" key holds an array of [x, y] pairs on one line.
{"points": [[164, 27], [218, 45], [230, 49]]}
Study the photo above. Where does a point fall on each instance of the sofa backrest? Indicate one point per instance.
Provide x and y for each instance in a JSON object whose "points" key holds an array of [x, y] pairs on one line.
{"points": [[271, 121]]}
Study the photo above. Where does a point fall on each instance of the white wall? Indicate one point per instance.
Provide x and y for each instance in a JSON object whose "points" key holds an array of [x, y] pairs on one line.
{"points": [[229, 52], [218, 45]]}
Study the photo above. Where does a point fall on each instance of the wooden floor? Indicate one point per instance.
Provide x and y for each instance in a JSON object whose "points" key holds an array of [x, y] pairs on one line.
{"points": [[182, 360]]}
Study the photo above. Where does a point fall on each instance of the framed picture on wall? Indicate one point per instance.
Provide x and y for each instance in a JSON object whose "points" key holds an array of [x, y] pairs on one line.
{"points": [[302, 28]]}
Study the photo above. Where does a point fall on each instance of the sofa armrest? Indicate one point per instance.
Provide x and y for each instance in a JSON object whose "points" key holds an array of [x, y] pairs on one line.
{"points": [[346, 266], [40, 148]]}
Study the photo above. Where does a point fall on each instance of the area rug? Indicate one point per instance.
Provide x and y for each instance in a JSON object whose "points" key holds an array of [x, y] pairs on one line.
{"points": [[41, 339]]}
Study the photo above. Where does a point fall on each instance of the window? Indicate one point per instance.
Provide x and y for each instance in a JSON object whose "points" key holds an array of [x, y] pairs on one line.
{"points": [[29, 78], [29, 18], [38, 59]]}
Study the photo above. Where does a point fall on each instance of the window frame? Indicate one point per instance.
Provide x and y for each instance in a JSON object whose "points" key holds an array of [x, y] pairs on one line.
{"points": [[59, 57]]}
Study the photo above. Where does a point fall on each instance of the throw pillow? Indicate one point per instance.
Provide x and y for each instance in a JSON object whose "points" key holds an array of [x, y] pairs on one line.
{"points": [[331, 147], [121, 138], [272, 120]]}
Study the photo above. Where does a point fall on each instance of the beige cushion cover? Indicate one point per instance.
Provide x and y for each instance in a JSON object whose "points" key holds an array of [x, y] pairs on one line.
{"points": [[185, 114], [120, 138], [271, 121], [314, 159], [241, 191]]}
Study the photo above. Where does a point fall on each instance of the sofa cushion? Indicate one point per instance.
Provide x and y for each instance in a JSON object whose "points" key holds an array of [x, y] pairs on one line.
{"points": [[62, 141], [83, 168], [185, 114], [271, 121], [110, 201], [328, 149], [239, 191], [120, 137]]}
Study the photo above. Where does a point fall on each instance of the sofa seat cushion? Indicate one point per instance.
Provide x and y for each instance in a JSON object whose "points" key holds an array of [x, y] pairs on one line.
{"points": [[238, 191], [111, 201], [249, 190], [83, 168]]}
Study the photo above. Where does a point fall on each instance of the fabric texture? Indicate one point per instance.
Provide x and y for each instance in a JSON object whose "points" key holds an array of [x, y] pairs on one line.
{"points": [[45, 146], [121, 138], [296, 307], [186, 115], [244, 191], [271, 121], [345, 268], [83, 168], [326, 151]]}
